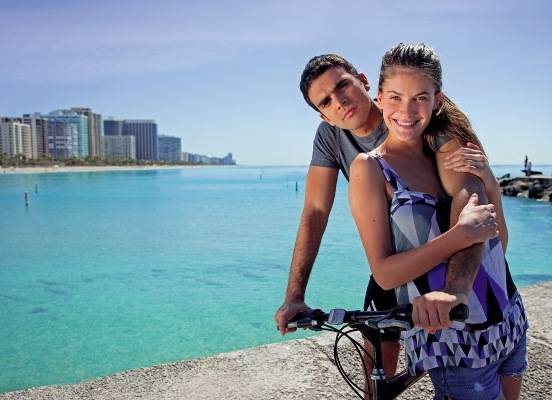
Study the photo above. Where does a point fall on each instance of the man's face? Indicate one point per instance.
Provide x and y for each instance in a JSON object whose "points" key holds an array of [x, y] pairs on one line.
{"points": [[341, 98]]}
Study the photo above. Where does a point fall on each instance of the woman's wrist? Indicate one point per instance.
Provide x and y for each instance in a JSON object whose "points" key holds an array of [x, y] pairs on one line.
{"points": [[460, 236]]}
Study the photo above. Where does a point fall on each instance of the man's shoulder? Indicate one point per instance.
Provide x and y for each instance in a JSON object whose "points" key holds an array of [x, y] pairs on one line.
{"points": [[327, 130]]}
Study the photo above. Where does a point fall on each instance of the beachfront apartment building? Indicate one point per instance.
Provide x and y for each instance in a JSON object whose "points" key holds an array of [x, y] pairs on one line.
{"points": [[113, 127], [145, 134], [94, 130], [169, 148], [39, 133], [15, 139], [79, 128], [62, 138], [119, 147], [193, 158]]}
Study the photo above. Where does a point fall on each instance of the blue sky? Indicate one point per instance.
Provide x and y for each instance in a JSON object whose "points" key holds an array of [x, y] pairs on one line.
{"points": [[224, 75]]}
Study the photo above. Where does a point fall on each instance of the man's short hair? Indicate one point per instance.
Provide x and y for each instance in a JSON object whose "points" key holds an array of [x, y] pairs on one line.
{"points": [[317, 66]]}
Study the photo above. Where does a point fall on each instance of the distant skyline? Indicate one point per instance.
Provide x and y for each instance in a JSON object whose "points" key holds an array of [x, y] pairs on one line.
{"points": [[224, 76]]}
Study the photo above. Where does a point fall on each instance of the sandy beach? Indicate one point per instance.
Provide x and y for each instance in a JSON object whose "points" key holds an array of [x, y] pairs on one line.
{"points": [[297, 369], [50, 170]]}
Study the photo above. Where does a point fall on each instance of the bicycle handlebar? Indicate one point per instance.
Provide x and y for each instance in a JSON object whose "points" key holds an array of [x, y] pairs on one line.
{"points": [[398, 318]]}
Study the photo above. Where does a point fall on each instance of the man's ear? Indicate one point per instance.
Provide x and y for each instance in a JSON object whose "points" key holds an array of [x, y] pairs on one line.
{"points": [[364, 80]]}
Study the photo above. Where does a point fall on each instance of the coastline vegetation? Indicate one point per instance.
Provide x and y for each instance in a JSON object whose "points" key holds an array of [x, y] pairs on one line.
{"points": [[20, 161]]}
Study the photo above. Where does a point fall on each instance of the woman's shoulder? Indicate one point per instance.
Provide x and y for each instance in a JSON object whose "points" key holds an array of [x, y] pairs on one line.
{"points": [[366, 167]]}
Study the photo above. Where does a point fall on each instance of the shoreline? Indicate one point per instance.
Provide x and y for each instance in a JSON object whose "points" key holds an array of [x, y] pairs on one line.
{"points": [[91, 168], [296, 369]]}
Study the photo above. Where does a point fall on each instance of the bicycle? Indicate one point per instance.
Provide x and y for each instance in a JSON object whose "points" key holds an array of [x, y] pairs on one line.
{"points": [[371, 324]]}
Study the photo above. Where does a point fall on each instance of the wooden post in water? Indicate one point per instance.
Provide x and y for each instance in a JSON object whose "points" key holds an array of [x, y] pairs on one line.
{"points": [[36, 188], [296, 186], [26, 199]]}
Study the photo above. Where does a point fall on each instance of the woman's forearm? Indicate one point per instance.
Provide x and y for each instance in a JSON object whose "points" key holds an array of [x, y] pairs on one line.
{"points": [[397, 269]]}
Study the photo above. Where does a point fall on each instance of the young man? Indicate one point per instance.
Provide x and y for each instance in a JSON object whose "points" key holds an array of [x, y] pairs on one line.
{"points": [[352, 123]]}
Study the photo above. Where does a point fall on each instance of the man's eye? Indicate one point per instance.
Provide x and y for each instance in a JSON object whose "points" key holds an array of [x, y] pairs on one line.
{"points": [[394, 98], [422, 98]]}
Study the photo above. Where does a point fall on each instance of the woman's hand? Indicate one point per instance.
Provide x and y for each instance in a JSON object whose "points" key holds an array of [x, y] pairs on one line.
{"points": [[472, 160], [477, 222]]}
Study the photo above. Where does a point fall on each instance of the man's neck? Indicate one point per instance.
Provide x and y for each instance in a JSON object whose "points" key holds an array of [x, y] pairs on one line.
{"points": [[372, 123]]}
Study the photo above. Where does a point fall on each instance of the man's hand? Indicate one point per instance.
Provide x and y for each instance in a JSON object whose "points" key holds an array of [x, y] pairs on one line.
{"points": [[431, 311], [286, 312], [478, 222], [472, 160]]}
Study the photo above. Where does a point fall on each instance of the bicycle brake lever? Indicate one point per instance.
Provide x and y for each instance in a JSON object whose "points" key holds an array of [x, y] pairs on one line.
{"points": [[336, 316], [394, 323]]}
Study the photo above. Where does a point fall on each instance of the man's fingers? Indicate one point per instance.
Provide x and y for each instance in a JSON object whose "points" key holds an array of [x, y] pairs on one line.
{"points": [[434, 319], [415, 314], [473, 146], [444, 317]]}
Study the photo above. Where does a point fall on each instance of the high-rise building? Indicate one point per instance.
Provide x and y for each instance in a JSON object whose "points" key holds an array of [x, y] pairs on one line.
{"points": [[15, 139], [94, 130], [117, 146], [39, 133], [228, 160], [80, 130], [61, 139], [112, 127], [145, 132], [169, 148]]}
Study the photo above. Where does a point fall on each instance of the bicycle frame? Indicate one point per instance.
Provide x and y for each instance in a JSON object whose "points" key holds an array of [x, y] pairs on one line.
{"points": [[384, 388]]}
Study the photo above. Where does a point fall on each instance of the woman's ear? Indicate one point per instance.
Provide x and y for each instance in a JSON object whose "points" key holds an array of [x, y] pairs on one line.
{"points": [[438, 100], [378, 100]]}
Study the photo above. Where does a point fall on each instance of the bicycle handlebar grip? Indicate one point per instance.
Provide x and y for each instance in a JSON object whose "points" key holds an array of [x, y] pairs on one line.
{"points": [[306, 319], [460, 312]]}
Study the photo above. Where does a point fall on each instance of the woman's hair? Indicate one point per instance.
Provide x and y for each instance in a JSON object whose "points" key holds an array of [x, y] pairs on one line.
{"points": [[449, 120]]}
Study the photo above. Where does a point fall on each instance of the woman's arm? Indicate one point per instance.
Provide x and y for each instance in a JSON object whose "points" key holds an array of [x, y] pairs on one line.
{"points": [[453, 157], [369, 206]]}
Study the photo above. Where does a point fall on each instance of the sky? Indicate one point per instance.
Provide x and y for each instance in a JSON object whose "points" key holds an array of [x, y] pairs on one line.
{"points": [[224, 75]]}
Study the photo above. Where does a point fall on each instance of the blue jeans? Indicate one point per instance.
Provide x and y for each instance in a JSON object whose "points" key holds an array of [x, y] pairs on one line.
{"points": [[479, 383]]}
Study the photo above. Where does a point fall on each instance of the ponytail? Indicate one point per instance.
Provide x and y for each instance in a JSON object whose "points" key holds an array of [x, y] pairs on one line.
{"points": [[449, 122]]}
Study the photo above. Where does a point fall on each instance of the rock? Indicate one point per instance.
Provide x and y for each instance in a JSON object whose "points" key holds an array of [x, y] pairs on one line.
{"points": [[524, 194], [536, 191], [539, 188]]}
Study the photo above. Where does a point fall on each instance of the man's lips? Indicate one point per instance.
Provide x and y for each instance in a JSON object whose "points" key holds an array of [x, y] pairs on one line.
{"points": [[349, 113]]}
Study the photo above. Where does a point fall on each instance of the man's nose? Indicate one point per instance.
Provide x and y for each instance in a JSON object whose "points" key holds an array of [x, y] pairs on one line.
{"points": [[342, 100]]}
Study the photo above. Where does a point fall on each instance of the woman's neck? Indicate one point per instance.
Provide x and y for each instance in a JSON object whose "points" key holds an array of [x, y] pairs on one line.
{"points": [[394, 147]]}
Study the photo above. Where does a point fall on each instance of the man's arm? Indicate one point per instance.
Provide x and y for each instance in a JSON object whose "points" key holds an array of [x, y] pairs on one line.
{"points": [[471, 159], [319, 197], [431, 311]]}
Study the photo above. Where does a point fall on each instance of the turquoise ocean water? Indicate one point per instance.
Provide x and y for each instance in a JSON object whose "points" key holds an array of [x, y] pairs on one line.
{"points": [[109, 271]]}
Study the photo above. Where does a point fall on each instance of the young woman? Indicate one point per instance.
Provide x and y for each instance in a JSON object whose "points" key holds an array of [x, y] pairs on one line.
{"points": [[404, 233]]}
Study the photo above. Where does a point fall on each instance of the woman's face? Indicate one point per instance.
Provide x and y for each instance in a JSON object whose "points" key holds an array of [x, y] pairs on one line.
{"points": [[407, 100]]}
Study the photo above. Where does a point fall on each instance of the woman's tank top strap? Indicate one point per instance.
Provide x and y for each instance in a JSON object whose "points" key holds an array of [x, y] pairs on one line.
{"points": [[390, 175]]}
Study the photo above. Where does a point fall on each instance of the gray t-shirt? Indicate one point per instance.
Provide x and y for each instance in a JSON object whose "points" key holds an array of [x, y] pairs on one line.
{"points": [[337, 148]]}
